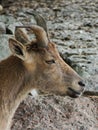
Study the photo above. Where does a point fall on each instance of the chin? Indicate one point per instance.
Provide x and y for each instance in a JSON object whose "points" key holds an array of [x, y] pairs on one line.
{"points": [[73, 93]]}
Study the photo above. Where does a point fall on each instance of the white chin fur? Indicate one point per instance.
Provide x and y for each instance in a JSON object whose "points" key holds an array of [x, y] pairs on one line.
{"points": [[34, 93]]}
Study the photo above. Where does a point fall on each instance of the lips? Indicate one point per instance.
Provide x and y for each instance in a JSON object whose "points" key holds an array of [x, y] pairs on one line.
{"points": [[73, 93]]}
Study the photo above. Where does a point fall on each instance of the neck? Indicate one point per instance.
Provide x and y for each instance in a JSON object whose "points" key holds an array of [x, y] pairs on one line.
{"points": [[14, 79]]}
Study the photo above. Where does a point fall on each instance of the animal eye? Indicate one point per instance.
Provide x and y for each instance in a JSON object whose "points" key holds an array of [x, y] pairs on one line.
{"points": [[50, 61]]}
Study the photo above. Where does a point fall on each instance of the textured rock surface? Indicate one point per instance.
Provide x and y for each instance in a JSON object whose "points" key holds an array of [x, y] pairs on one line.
{"points": [[56, 113]]}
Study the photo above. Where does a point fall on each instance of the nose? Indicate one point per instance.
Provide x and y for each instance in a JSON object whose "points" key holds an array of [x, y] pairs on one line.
{"points": [[81, 84], [76, 89]]}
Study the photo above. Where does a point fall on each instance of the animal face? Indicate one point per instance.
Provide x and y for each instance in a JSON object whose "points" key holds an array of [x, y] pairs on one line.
{"points": [[50, 74]]}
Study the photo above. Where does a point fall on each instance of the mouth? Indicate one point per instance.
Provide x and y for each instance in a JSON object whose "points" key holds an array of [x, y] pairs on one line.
{"points": [[73, 93]]}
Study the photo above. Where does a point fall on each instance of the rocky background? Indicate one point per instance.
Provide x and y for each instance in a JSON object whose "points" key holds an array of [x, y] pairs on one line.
{"points": [[73, 26]]}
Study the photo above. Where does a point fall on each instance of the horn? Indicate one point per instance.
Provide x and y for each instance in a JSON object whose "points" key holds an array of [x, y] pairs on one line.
{"points": [[41, 36], [21, 35], [39, 20]]}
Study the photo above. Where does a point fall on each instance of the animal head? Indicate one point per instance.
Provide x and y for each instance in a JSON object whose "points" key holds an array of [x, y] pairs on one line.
{"points": [[50, 74]]}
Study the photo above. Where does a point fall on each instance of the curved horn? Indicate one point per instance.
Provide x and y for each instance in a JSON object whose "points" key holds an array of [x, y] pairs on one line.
{"points": [[41, 35], [39, 20], [21, 35]]}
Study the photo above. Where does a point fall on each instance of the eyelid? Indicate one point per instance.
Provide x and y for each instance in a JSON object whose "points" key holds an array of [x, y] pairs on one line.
{"points": [[50, 61]]}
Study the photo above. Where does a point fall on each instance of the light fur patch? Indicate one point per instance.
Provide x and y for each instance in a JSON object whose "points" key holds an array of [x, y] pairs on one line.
{"points": [[34, 93]]}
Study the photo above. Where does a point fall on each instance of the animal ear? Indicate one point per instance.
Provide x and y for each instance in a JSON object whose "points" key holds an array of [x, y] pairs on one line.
{"points": [[17, 48]]}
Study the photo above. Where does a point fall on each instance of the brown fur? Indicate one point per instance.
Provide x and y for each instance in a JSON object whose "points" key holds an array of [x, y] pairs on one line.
{"points": [[33, 69]]}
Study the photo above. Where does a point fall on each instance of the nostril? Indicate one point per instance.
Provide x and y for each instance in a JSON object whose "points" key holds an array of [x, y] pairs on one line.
{"points": [[81, 84]]}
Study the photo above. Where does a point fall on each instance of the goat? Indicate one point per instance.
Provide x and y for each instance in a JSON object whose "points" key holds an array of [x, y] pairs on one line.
{"points": [[35, 65]]}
